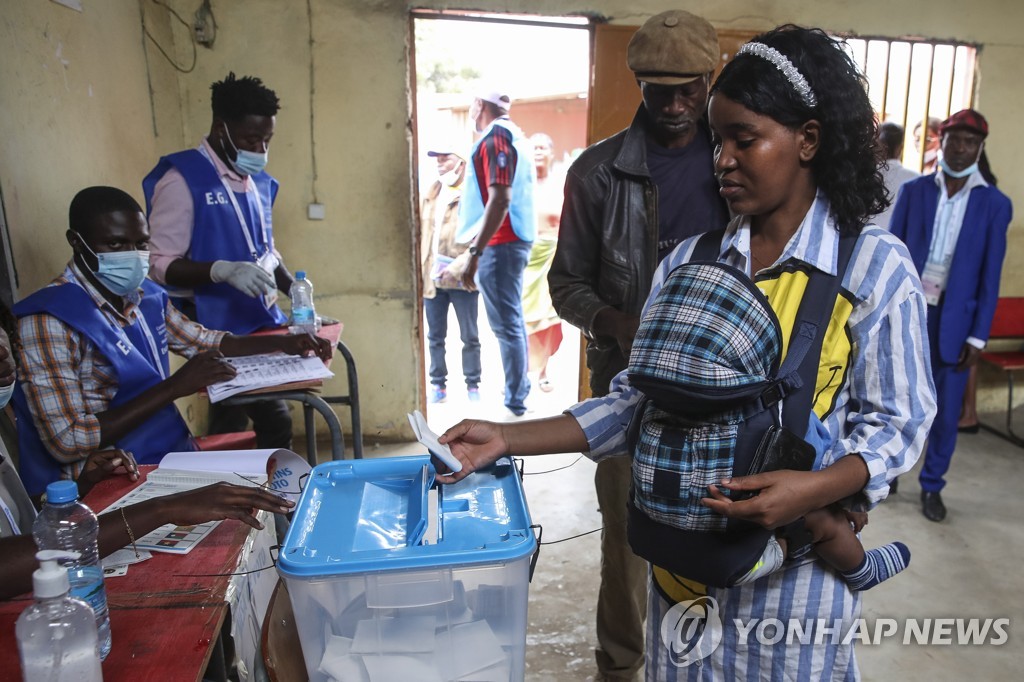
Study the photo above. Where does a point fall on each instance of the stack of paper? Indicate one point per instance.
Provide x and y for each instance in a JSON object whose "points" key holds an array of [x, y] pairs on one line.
{"points": [[416, 648], [266, 371]]}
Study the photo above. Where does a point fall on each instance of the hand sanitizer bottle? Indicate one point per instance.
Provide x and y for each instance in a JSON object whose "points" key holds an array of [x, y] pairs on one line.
{"points": [[57, 638]]}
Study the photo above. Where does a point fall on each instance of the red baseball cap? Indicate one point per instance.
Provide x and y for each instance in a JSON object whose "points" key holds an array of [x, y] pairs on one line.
{"points": [[969, 119]]}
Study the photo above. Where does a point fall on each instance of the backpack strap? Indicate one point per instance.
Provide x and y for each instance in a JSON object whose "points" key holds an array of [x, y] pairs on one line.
{"points": [[709, 246], [807, 337]]}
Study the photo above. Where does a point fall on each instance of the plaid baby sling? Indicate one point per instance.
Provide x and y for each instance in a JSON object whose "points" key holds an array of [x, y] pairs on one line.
{"points": [[707, 359]]}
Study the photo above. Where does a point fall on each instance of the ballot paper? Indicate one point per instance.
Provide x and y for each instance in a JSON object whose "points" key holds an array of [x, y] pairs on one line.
{"points": [[429, 439], [116, 564], [266, 371]]}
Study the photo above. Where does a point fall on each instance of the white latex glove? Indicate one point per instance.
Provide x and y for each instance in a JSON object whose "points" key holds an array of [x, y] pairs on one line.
{"points": [[248, 278]]}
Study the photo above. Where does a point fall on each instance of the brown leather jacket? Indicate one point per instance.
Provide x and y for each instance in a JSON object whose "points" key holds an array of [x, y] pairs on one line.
{"points": [[607, 242]]}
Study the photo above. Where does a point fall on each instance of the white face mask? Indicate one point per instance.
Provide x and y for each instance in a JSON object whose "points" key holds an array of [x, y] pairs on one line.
{"points": [[451, 178]]}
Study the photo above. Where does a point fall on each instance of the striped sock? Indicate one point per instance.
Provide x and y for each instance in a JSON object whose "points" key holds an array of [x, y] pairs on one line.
{"points": [[878, 565]]}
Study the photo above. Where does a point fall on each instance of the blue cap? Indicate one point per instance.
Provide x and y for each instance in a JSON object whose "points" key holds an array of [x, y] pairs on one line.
{"points": [[300, 274], [62, 491]]}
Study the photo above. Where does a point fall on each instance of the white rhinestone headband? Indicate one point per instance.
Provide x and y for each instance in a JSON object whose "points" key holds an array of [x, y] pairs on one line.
{"points": [[782, 63]]}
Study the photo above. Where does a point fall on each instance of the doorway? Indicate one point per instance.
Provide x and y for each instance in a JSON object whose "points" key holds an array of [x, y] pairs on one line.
{"points": [[543, 64]]}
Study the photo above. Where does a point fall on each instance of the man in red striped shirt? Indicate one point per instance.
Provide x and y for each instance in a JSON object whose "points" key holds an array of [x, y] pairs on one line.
{"points": [[496, 218]]}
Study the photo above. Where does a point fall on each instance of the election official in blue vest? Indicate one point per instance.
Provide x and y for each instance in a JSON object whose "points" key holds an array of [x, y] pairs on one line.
{"points": [[954, 223], [94, 343], [210, 213]]}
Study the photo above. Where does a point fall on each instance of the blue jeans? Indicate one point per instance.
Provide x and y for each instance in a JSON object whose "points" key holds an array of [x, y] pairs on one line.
{"points": [[500, 279], [467, 308]]}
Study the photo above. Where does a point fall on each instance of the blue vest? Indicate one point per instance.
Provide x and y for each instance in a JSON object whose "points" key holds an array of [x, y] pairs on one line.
{"points": [[129, 352], [520, 211], [216, 235]]}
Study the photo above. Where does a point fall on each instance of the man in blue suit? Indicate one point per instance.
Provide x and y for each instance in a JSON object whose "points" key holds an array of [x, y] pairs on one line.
{"points": [[954, 223]]}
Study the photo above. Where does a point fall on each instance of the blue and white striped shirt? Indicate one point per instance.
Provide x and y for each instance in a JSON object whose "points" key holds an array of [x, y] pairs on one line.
{"points": [[882, 413]]}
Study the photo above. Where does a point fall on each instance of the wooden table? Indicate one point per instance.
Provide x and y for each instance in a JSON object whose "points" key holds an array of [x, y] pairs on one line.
{"points": [[165, 616], [308, 393]]}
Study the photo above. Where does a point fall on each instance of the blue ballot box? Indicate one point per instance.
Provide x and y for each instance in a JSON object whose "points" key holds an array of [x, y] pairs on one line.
{"points": [[392, 577]]}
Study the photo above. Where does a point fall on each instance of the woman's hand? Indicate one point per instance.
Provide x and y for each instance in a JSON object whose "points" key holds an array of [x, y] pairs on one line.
{"points": [[103, 464], [218, 502], [781, 497], [476, 444]]}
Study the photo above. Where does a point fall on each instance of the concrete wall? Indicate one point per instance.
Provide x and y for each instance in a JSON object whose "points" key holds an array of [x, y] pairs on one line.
{"points": [[77, 110]]}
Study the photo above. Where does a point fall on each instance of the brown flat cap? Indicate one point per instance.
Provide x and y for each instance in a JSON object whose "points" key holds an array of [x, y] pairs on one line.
{"points": [[673, 48]]}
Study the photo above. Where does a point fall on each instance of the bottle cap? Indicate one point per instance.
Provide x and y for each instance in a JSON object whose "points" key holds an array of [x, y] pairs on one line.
{"points": [[51, 579], [59, 492], [300, 274]]}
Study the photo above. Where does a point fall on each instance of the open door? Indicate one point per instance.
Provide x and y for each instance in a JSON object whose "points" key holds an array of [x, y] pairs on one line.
{"points": [[614, 97]]}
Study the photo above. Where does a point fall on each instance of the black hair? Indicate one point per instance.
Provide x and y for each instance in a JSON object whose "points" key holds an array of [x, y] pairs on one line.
{"points": [[93, 202], [986, 170], [235, 98], [891, 136], [845, 166], [493, 110]]}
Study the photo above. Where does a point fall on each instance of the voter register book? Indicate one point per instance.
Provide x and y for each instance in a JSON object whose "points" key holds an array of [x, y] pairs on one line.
{"points": [[281, 471]]}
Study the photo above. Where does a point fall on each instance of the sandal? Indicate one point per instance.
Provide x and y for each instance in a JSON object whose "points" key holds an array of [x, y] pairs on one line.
{"points": [[545, 385]]}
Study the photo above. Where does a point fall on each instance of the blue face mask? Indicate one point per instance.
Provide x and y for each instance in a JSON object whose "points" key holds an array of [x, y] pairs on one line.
{"points": [[5, 394], [246, 162], [957, 174], [121, 272]]}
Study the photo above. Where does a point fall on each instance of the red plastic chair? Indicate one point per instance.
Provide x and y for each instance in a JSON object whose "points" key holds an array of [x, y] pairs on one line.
{"points": [[240, 440], [1008, 323]]}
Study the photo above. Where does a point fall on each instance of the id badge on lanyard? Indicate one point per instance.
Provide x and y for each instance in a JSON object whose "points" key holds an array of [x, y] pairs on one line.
{"points": [[933, 279], [153, 348], [269, 262], [125, 345]]}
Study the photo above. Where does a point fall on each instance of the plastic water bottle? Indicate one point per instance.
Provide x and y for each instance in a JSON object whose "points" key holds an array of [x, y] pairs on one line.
{"points": [[303, 312], [57, 638], [68, 525]]}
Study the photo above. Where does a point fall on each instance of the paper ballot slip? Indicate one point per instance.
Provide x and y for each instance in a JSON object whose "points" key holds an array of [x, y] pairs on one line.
{"points": [[429, 439], [266, 371]]}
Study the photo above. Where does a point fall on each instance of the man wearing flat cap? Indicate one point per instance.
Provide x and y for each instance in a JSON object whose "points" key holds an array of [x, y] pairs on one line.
{"points": [[496, 218], [629, 200], [954, 223]]}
